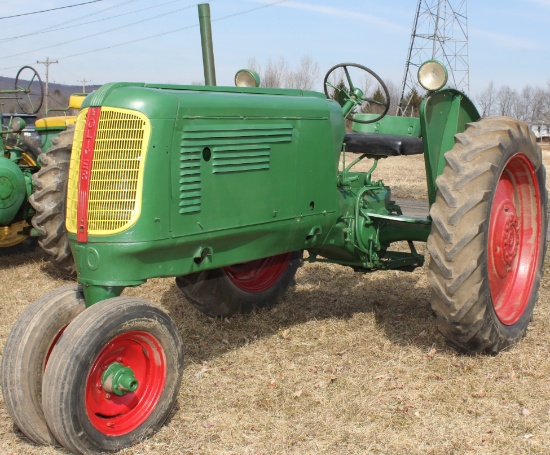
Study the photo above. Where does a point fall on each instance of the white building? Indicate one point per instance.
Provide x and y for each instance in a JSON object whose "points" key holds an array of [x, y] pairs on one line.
{"points": [[541, 130]]}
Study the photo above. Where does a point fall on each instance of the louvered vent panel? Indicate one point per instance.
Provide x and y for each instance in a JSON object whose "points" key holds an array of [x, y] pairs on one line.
{"points": [[233, 149]]}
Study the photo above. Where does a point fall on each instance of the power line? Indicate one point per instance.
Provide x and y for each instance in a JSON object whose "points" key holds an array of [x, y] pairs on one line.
{"points": [[240, 13], [64, 26], [229, 16], [96, 34], [52, 9]]}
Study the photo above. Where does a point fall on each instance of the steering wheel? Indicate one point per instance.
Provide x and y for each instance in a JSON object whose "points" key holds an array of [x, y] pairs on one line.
{"points": [[354, 94], [31, 96]]}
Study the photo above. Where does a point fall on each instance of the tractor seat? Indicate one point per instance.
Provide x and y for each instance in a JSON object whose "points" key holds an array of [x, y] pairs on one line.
{"points": [[389, 136], [383, 145]]}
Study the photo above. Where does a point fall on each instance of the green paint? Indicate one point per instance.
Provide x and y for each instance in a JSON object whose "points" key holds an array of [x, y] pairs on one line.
{"points": [[401, 126], [207, 45], [237, 174], [442, 115], [12, 190], [119, 379]]}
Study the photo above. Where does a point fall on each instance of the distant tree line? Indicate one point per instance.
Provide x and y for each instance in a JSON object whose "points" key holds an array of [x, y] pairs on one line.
{"points": [[278, 73], [531, 104]]}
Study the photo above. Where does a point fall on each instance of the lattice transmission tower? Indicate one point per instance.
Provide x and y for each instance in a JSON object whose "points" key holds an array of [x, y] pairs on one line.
{"points": [[440, 31]]}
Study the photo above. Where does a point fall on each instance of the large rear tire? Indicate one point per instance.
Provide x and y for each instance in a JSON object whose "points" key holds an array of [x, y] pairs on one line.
{"points": [[241, 288], [49, 201], [487, 243]]}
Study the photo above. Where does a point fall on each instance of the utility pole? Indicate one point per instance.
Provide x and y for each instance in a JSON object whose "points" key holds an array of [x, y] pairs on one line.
{"points": [[83, 84], [48, 62]]}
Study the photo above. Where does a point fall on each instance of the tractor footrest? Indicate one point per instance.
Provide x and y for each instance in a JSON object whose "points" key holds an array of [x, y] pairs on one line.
{"points": [[383, 145]]}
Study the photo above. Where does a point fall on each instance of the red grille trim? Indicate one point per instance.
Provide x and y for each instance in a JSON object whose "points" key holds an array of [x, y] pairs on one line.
{"points": [[85, 172]]}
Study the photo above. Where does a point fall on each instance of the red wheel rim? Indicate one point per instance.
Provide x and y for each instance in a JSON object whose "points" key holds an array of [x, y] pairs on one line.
{"points": [[54, 342], [115, 415], [260, 275], [514, 239]]}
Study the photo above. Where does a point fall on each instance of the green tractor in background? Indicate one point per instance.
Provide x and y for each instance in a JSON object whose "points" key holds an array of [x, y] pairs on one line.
{"points": [[224, 188], [19, 159], [24, 185]]}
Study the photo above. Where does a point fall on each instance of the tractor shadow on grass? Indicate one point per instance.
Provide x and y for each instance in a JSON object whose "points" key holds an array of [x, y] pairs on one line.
{"points": [[396, 304], [30, 254], [21, 250]]}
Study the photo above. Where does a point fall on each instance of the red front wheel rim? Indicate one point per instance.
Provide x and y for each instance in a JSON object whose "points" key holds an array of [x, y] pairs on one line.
{"points": [[260, 275], [115, 415], [514, 239]]}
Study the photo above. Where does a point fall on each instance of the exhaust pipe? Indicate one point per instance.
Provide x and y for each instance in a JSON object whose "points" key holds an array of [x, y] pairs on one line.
{"points": [[206, 43]]}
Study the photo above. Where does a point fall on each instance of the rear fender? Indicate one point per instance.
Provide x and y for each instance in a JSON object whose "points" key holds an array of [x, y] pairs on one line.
{"points": [[442, 115]]}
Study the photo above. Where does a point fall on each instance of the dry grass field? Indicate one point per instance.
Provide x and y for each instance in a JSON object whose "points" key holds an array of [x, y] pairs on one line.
{"points": [[346, 364]]}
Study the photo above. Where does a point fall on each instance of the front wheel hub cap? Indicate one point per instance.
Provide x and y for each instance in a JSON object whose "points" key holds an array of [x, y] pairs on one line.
{"points": [[119, 379]]}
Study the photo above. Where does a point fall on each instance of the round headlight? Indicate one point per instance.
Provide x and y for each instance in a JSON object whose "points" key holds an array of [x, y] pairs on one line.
{"points": [[432, 75], [247, 78], [17, 124]]}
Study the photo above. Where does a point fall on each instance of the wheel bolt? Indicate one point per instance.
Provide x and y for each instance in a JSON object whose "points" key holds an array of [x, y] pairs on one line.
{"points": [[107, 396], [119, 359], [110, 424], [98, 385], [104, 367]]}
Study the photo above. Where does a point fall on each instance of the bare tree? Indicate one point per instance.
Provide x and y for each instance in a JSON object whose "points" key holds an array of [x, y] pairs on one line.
{"points": [[520, 104], [539, 103], [486, 100], [253, 65], [395, 93], [278, 74], [275, 73], [505, 100], [305, 76]]}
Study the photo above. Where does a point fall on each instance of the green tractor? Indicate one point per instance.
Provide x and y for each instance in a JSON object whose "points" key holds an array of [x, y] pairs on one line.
{"points": [[19, 159], [25, 185], [224, 188]]}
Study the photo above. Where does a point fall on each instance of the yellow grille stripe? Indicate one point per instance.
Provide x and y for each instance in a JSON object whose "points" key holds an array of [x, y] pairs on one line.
{"points": [[72, 185], [117, 171]]}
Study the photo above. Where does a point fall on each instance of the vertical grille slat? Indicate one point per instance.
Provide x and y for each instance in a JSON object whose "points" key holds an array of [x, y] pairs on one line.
{"points": [[117, 171]]}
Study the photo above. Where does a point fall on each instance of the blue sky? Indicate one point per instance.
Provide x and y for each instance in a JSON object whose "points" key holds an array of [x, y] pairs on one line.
{"points": [[508, 40]]}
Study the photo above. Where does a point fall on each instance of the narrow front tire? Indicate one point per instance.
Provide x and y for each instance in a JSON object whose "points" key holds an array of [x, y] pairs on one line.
{"points": [[85, 410]]}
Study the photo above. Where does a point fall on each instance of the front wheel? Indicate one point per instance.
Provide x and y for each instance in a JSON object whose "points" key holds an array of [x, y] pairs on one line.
{"points": [[241, 288], [26, 354], [114, 376], [487, 243]]}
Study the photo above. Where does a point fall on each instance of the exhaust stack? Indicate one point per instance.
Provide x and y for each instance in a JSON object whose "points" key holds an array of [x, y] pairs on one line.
{"points": [[207, 46]]}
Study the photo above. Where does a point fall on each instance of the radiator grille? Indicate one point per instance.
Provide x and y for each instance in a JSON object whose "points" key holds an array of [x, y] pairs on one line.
{"points": [[117, 171]]}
